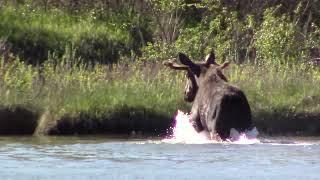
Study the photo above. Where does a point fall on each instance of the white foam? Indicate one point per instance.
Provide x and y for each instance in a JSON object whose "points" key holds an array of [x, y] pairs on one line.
{"points": [[184, 132], [248, 137]]}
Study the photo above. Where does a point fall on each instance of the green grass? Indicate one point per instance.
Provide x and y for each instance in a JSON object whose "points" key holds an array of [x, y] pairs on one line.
{"points": [[284, 99], [33, 33], [293, 87], [132, 91]]}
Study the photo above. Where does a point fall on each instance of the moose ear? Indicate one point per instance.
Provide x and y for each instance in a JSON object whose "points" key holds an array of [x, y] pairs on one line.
{"points": [[185, 60], [211, 58]]}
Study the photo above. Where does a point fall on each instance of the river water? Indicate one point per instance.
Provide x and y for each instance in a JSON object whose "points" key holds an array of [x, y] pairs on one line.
{"points": [[104, 157]]}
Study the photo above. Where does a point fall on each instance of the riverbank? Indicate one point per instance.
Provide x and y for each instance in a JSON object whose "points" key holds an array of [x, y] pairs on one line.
{"points": [[62, 99], [74, 100]]}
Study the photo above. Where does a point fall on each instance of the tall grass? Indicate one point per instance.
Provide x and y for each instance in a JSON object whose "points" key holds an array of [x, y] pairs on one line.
{"points": [[271, 87], [100, 93], [285, 99], [278, 95]]}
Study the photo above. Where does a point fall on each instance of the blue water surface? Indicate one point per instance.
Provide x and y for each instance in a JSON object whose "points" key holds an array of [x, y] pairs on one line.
{"points": [[100, 157]]}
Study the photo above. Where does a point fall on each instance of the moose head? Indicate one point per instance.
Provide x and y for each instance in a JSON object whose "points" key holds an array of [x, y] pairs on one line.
{"points": [[195, 72]]}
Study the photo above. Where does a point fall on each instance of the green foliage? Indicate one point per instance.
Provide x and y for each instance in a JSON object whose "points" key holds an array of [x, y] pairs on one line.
{"points": [[222, 33], [278, 39], [153, 29], [167, 5], [274, 36], [158, 52], [193, 41]]}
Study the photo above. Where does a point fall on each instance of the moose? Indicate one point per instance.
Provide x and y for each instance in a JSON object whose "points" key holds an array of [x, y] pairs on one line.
{"points": [[217, 105]]}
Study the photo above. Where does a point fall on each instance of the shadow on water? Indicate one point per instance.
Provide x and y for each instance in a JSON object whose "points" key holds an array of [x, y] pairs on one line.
{"points": [[63, 140], [145, 140]]}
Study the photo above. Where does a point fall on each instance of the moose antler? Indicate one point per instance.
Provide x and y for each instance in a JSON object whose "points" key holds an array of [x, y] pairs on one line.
{"points": [[225, 64], [173, 65]]}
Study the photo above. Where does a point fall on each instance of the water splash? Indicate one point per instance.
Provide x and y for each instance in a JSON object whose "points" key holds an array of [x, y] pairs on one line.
{"points": [[248, 137], [184, 132]]}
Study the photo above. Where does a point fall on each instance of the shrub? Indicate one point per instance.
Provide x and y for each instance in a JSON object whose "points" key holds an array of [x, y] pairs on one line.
{"points": [[278, 40]]}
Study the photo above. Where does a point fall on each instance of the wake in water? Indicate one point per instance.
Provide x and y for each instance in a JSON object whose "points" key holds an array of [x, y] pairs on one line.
{"points": [[183, 132]]}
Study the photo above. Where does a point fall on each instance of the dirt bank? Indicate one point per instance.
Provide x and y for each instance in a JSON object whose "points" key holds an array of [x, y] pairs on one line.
{"points": [[288, 123], [19, 120], [121, 121]]}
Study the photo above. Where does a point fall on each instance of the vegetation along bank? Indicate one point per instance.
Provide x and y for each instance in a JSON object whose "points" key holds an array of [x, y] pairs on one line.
{"points": [[79, 67]]}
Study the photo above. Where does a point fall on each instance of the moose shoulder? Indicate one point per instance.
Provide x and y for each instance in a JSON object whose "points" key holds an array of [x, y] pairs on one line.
{"points": [[217, 105]]}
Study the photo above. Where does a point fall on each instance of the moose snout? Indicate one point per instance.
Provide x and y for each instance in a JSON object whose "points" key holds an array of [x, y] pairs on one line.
{"points": [[190, 91]]}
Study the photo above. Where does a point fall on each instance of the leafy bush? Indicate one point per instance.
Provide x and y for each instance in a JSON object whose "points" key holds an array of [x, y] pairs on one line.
{"points": [[278, 39]]}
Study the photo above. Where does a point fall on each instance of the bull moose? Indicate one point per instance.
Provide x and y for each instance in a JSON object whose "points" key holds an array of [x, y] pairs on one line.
{"points": [[217, 105]]}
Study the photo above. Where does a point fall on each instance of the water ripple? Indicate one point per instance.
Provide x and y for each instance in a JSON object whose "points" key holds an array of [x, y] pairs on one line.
{"points": [[153, 159]]}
